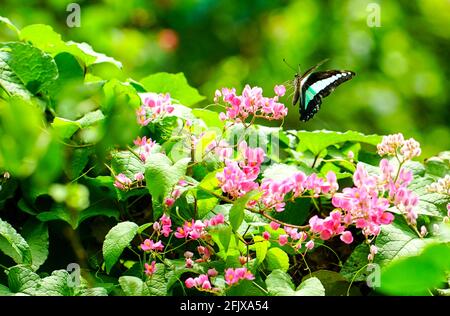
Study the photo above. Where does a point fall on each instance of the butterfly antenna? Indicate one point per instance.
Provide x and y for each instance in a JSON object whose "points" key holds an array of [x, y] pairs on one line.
{"points": [[284, 59]]}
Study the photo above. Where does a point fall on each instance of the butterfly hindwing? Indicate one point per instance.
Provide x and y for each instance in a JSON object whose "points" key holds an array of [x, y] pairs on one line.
{"points": [[317, 86]]}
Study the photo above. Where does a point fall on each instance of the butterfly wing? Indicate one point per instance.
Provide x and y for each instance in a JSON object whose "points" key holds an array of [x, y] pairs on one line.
{"points": [[317, 86]]}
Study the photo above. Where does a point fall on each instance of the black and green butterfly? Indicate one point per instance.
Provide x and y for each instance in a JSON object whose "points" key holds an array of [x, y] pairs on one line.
{"points": [[312, 86]]}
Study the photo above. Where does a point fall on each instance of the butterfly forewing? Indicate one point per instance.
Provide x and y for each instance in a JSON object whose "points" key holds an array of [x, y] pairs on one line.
{"points": [[317, 86]]}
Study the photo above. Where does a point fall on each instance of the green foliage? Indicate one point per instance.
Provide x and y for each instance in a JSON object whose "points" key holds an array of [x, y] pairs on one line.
{"points": [[117, 239], [417, 275], [175, 84], [279, 283], [13, 244]]}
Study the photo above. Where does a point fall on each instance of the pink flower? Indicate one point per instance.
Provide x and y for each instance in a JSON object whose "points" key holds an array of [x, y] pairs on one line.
{"points": [[145, 147], [215, 220], [310, 244], [212, 272], [423, 231], [250, 103], [206, 285], [347, 237], [280, 90], [154, 106], [122, 182], [190, 283], [169, 202], [233, 276], [282, 240], [150, 269], [266, 235], [188, 254], [139, 176], [149, 244], [274, 225], [372, 253], [189, 263], [350, 155], [181, 233]]}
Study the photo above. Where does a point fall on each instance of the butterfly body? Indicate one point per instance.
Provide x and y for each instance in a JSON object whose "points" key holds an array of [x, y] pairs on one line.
{"points": [[311, 87]]}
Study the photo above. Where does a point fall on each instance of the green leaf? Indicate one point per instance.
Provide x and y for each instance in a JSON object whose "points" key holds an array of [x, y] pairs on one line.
{"points": [[430, 203], [131, 286], [333, 283], [4, 291], [45, 38], [9, 80], [36, 235], [21, 154], [355, 267], [222, 237], [310, 287], [13, 245], [37, 73], [55, 285], [9, 24], [161, 176], [397, 241], [438, 166], [245, 288], [237, 210], [206, 201], [75, 218], [416, 275], [127, 163], [210, 118], [279, 283], [22, 280], [116, 240], [260, 245], [276, 258], [156, 285], [175, 84], [317, 141]]}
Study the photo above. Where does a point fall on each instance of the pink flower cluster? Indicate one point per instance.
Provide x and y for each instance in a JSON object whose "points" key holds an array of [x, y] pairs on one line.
{"points": [[233, 276], [197, 229], [202, 282], [362, 205], [154, 106], [441, 186], [274, 191], [145, 146], [163, 226], [251, 103], [238, 178], [394, 144], [330, 227], [397, 186]]}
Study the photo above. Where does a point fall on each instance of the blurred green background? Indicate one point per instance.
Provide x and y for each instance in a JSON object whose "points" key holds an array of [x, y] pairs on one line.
{"points": [[402, 66]]}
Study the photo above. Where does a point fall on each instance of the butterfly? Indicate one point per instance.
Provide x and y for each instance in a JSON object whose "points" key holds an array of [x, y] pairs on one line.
{"points": [[312, 86]]}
